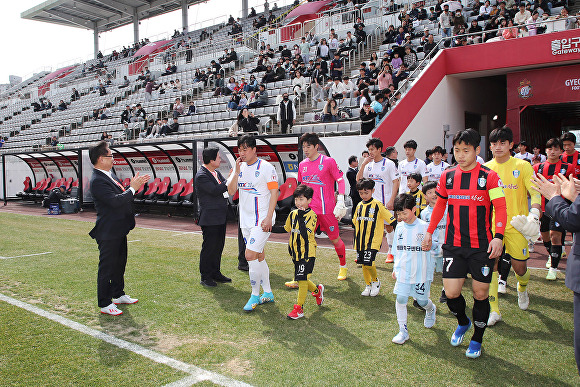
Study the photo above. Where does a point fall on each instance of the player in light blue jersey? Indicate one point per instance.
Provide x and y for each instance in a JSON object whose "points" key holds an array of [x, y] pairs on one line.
{"points": [[429, 189], [413, 267]]}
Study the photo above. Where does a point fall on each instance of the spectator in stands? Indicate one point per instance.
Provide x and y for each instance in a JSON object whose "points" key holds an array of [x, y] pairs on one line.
{"points": [[102, 89], [360, 34], [53, 141], [105, 113], [330, 111], [95, 114], [570, 21], [317, 82], [390, 35], [337, 89], [474, 28], [138, 114], [323, 51], [312, 40], [269, 51], [396, 62], [155, 129], [511, 32], [234, 101], [126, 114], [174, 127], [62, 105], [333, 44], [458, 22], [349, 86], [75, 95], [305, 50], [247, 122], [127, 133], [177, 86], [377, 106], [336, 66], [430, 46], [523, 15], [385, 78], [2, 141], [125, 83], [252, 12], [373, 73], [410, 58], [266, 7], [104, 136], [261, 98], [252, 85], [484, 11], [400, 75], [286, 116], [218, 85], [178, 108], [279, 73], [271, 18], [367, 116], [445, 22], [299, 85], [191, 109], [362, 82]]}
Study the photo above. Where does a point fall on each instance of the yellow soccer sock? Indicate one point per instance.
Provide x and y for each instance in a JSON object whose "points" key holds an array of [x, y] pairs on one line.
{"points": [[523, 281], [367, 274], [302, 292], [373, 272], [311, 285], [493, 301]]}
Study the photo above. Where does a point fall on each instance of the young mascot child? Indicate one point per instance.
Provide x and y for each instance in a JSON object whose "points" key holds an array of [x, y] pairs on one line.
{"points": [[414, 184], [370, 216], [301, 224], [413, 268]]}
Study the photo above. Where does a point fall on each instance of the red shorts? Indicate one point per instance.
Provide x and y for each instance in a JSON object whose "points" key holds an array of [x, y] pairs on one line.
{"points": [[328, 224]]}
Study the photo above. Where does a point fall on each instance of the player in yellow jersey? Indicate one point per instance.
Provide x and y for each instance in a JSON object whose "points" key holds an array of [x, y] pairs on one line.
{"points": [[301, 224], [369, 217], [523, 224]]}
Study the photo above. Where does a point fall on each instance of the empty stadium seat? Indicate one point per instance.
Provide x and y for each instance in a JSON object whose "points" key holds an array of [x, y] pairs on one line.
{"points": [[186, 197], [177, 189], [160, 193], [151, 189], [285, 199]]}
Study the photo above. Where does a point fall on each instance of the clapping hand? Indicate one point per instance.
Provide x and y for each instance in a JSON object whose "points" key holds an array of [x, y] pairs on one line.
{"points": [[567, 186], [138, 181]]}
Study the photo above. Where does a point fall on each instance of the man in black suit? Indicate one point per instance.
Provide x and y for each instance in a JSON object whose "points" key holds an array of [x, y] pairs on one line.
{"points": [[115, 218], [212, 192], [351, 177]]}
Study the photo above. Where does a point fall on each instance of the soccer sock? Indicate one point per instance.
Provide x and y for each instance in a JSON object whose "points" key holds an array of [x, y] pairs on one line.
{"points": [[401, 315], [311, 285], [302, 292], [426, 304], [556, 254], [367, 274], [523, 281], [255, 276], [504, 266], [548, 246], [493, 300], [265, 277], [480, 317], [341, 252], [373, 272], [457, 308], [390, 238]]}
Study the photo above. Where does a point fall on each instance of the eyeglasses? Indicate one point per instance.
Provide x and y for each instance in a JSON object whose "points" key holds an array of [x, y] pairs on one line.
{"points": [[111, 156]]}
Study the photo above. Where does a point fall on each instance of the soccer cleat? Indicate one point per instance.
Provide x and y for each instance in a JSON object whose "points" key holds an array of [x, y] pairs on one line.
{"points": [[443, 298], [296, 313], [367, 291], [549, 262], [252, 303], [341, 274], [474, 350], [429, 320], [531, 247], [291, 284], [266, 297], [112, 310], [493, 319], [320, 295], [416, 305], [390, 258], [375, 287], [125, 299], [523, 300], [460, 331], [564, 254], [551, 274], [401, 337], [501, 287]]}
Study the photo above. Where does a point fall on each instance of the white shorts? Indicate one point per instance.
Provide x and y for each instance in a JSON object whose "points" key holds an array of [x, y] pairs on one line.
{"points": [[417, 291], [255, 238]]}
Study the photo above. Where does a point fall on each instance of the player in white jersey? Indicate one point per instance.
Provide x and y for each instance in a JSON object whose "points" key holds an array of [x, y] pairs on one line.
{"points": [[257, 182], [413, 268], [410, 165], [434, 170], [386, 177]]}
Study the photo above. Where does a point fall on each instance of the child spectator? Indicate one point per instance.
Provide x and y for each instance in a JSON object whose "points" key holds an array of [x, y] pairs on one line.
{"points": [[301, 224], [413, 268], [368, 220], [413, 184]]}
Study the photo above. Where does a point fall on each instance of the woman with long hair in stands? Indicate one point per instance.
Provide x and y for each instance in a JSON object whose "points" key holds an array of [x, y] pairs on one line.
{"points": [[330, 111], [510, 32], [374, 58], [385, 77], [104, 136], [323, 51], [247, 122], [365, 97]]}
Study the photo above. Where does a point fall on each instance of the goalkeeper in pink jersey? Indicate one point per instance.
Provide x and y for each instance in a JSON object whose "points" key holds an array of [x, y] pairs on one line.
{"points": [[321, 172]]}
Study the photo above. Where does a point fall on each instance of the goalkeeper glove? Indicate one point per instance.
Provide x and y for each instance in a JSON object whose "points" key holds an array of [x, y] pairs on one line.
{"points": [[340, 209], [528, 226]]}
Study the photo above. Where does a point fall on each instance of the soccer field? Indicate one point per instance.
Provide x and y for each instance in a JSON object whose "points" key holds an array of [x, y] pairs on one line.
{"points": [[347, 341]]}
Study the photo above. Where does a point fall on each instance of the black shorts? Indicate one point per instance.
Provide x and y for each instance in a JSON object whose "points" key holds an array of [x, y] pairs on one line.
{"points": [[302, 268], [459, 261], [366, 257], [549, 224]]}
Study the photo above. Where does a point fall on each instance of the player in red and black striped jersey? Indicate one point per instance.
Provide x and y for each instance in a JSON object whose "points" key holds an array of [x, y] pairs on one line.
{"points": [[550, 229], [471, 193], [570, 155]]}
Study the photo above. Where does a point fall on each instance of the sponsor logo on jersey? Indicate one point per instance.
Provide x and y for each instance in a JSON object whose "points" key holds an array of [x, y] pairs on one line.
{"points": [[485, 271], [511, 186], [516, 173], [409, 248], [400, 238], [312, 179]]}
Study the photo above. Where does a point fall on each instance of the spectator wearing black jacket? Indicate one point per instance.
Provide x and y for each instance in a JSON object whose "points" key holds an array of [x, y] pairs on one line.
{"points": [[126, 115], [367, 117], [75, 95], [247, 122]]}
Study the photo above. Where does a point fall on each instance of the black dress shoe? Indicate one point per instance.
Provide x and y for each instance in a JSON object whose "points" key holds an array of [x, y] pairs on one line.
{"points": [[243, 267], [209, 283], [221, 278]]}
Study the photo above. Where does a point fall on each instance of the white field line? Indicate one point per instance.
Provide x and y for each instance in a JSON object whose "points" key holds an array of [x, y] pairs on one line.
{"points": [[135, 240], [196, 373], [27, 255]]}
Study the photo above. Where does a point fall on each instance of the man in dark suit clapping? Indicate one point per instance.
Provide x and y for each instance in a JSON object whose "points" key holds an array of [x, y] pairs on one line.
{"points": [[212, 193], [115, 218]]}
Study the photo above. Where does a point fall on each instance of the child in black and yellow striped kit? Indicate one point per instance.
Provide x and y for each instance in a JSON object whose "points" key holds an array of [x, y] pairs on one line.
{"points": [[301, 224]]}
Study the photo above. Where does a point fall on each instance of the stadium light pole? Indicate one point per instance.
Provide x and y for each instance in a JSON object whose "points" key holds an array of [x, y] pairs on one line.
{"points": [[184, 16], [95, 39], [244, 9]]}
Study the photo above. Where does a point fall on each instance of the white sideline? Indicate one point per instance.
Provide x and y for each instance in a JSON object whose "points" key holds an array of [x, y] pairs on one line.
{"points": [[196, 374], [27, 255]]}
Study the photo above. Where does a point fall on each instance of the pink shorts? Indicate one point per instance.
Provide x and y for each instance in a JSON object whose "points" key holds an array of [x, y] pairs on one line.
{"points": [[328, 224]]}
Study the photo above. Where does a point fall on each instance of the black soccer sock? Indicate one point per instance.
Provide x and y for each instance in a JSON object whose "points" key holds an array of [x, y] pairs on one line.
{"points": [[457, 308], [556, 254], [503, 267], [548, 246], [563, 237], [480, 317]]}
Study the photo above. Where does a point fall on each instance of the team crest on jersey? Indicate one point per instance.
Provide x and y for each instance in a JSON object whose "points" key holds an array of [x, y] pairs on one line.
{"points": [[371, 211], [524, 251], [578, 162], [369, 168], [240, 175], [563, 171], [481, 182], [382, 168], [516, 173], [449, 180], [331, 228], [420, 237], [257, 173], [485, 271], [320, 166], [252, 241]]}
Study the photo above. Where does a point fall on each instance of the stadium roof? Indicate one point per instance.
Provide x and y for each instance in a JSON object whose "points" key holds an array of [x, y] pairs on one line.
{"points": [[101, 15]]}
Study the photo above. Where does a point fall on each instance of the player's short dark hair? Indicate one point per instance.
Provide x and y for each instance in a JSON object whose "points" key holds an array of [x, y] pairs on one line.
{"points": [[247, 140], [303, 190], [376, 142], [568, 136], [415, 176], [468, 137], [351, 159], [438, 149], [501, 134], [410, 144], [209, 154], [101, 149], [389, 150], [404, 201], [428, 185], [428, 152], [310, 139], [365, 183], [554, 142]]}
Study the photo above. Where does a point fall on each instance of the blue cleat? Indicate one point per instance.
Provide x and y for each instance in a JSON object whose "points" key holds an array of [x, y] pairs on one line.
{"points": [[252, 303], [266, 297], [474, 350], [459, 333]]}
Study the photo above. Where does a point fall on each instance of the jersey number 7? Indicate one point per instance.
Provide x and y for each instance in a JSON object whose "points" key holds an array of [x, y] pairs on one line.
{"points": [[448, 263]]}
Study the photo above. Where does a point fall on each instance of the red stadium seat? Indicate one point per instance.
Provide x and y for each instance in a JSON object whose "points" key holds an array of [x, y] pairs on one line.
{"points": [[160, 193], [173, 196], [285, 199], [27, 185], [127, 182], [187, 195], [150, 192]]}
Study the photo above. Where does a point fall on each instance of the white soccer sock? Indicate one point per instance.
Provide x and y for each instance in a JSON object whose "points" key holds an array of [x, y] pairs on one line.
{"points": [[265, 276], [401, 316], [390, 238], [255, 273], [429, 307]]}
